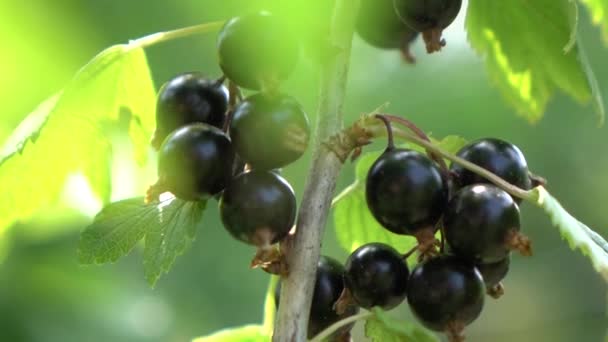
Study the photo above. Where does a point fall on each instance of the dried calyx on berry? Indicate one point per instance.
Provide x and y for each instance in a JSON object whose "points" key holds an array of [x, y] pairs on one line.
{"points": [[269, 130], [430, 17], [256, 51], [446, 294], [258, 207], [482, 224], [378, 25], [493, 274], [195, 162], [189, 98], [329, 285]]}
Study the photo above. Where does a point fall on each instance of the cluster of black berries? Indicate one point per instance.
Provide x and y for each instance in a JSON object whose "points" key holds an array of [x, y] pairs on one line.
{"points": [[409, 194], [212, 142], [395, 24]]}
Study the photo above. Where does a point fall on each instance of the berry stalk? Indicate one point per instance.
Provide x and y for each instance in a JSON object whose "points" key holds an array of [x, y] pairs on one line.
{"points": [[336, 326], [160, 37], [373, 129], [303, 249]]}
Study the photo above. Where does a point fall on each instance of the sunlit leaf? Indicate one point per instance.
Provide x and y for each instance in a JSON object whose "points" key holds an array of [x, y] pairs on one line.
{"points": [[382, 328], [599, 14], [247, 333], [451, 144], [167, 229], [171, 234], [354, 223], [530, 51], [577, 234], [69, 133], [116, 230]]}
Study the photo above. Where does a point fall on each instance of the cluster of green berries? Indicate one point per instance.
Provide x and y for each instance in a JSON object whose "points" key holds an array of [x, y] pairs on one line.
{"points": [[395, 24], [212, 143]]}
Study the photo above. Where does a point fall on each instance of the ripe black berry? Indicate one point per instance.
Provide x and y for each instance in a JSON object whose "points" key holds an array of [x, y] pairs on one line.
{"points": [[405, 191], [269, 131], [499, 157], [379, 26], [258, 208], [256, 51], [482, 223], [195, 162], [186, 99], [329, 285], [429, 17], [493, 274], [446, 294], [376, 275]]}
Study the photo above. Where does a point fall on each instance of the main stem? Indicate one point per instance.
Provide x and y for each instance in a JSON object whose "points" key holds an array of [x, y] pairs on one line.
{"points": [[302, 251]]}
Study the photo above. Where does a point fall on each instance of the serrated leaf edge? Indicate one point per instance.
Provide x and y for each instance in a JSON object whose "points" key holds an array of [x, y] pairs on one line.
{"points": [[577, 234]]}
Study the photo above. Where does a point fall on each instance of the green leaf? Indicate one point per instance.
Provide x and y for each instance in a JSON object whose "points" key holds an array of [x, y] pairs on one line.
{"points": [[599, 14], [382, 328], [577, 234], [530, 51], [116, 230], [354, 224], [175, 229], [451, 144], [69, 133], [168, 228], [247, 333]]}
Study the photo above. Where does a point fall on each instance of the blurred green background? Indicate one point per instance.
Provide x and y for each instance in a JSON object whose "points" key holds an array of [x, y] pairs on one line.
{"points": [[46, 296]]}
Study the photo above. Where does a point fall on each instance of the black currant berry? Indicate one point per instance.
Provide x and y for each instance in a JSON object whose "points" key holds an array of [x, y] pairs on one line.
{"points": [[446, 294], [499, 157], [376, 275], [429, 17], [379, 26], [269, 131], [405, 191], [186, 99], [493, 274], [329, 285], [195, 162], [258, 208], [482, 224], [256, 51]]}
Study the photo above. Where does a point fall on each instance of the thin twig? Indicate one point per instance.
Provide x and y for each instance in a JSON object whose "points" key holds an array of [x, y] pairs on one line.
{"points": [[501, 183], [161, 37], [336, 326], [389, 130], [420, 133]]}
